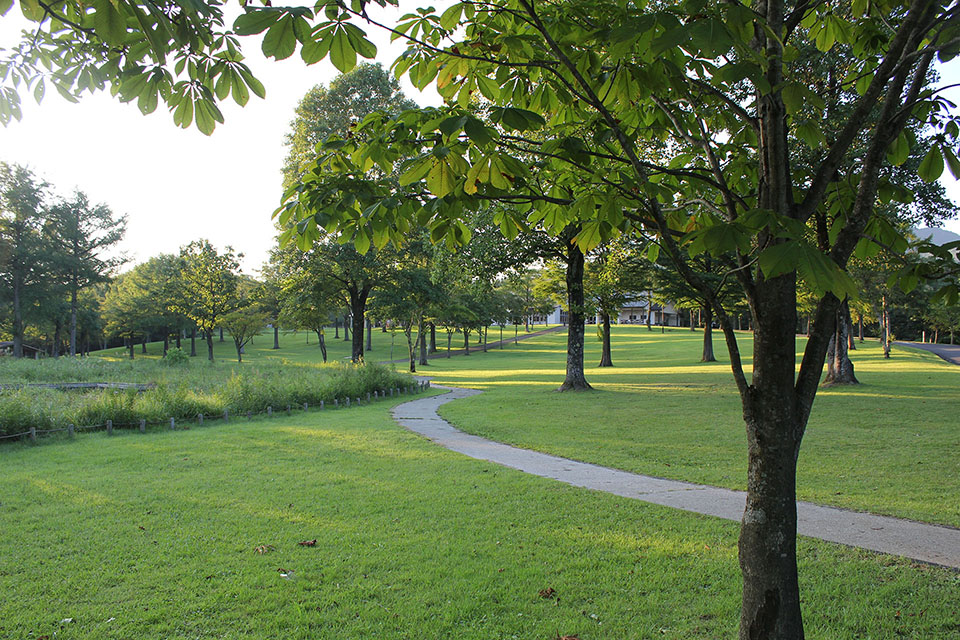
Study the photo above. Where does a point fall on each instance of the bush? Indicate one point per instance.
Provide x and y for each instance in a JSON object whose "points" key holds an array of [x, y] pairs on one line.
{"points": [[175, 357]]}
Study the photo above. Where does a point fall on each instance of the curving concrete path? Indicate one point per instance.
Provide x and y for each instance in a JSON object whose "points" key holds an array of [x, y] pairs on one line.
{"points": [[924, 542]]}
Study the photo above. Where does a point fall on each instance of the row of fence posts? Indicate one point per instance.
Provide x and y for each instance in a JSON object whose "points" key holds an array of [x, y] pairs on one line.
{"points": [[419, 386]]}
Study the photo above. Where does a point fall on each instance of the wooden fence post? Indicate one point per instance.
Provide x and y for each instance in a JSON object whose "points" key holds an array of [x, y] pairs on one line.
{"points": [[33, 435], [173, 425], [109, 427]]}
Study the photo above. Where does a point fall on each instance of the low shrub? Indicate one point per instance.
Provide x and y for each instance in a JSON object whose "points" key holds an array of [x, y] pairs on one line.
{"points": [[181, 390]]}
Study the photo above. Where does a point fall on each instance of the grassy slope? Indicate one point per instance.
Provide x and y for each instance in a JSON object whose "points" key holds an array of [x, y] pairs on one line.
{"points": [[153, 537], [887, 446]]}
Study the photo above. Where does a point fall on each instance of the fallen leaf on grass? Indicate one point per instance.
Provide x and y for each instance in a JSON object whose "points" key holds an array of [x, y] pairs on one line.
{"points": [[549, 592], [308, 543], [263, 548]]}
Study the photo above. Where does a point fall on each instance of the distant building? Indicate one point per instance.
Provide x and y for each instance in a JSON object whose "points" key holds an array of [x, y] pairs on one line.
{"points": [[633, 312]]}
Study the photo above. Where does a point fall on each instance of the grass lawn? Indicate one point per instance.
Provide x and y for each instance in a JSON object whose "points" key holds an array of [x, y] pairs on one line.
{"points": [[889, 446], [154, 536], [302, 347]]}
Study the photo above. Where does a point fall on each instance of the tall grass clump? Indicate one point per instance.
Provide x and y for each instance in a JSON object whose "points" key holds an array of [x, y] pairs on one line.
{"points": [[179, 390]]}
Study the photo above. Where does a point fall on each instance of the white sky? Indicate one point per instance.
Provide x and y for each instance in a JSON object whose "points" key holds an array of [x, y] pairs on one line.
{"points": [[178, 185]]}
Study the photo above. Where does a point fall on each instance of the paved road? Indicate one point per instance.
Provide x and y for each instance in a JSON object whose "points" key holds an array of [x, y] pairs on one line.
{"points": [[925, 542], [949, 352]]}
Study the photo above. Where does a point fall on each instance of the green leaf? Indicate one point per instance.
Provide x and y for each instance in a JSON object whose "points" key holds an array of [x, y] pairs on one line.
{"points": [[342, 55], [5, 6], [932, 165], [711, 37], [899, 150], [108, 23], [315, 50], [817, 270], [280, 41], [489, 89], [952, 162], [361, 242], [440, 179], [417, 172], [451, 17], [255, 21], [477, 132]]}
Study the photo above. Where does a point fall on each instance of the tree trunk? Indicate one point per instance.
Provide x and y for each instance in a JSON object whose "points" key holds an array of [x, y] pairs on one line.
{"points": [[860, 323], [411, 349], [17, 320], [221, 334], [210, 345], [193, 342], [884, 327], [775, 421], [422, 339], [336, 328], [323, 345], [143, 344], [449, 338], [276, 335], [466, 342], [501, 336], [178, 340], [693, 327], [239, 351], [73, 318], [346, 325], [576, 327], [368, 327], [130, 345], [166, 343], [848, 319], [358, 308], [708, 355], [649, 314], [55, 347], [486, 331], [433, 337], [606, 357]]}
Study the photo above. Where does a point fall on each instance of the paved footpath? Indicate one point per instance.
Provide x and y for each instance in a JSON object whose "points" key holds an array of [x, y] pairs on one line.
{"points": [[924, 542], [949, 352]]}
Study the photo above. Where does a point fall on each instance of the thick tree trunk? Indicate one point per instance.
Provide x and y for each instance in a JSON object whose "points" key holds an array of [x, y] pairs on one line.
{"points": [[193, 342], [210, 345], [166, 343], [130, 345], [346, 325], [336, 328], [693, 326], [323, 344], [221, 334], [860, 323], [848, 319], [422, 339], [486, 331], [575, 379], [606, 357], [466, 342], [368, 328], [775, 422], [143, 344], [239, 351], [708, 355], [358, 307], [839, 367], [178, 340], [276, 336], [449, 338], [433, 337]]}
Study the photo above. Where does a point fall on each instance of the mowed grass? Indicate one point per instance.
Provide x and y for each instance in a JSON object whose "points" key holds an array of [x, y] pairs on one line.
{"points": [[154, 536], [890, 445], [302, 346]]}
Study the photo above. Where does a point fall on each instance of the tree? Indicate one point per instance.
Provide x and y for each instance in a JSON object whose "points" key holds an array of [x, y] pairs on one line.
{"points": [[126, 306], [80, 233], [615, 273], [209, 282], [21, 244], [243, 325], [590, 91], [333, 110], [597, 92]]}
